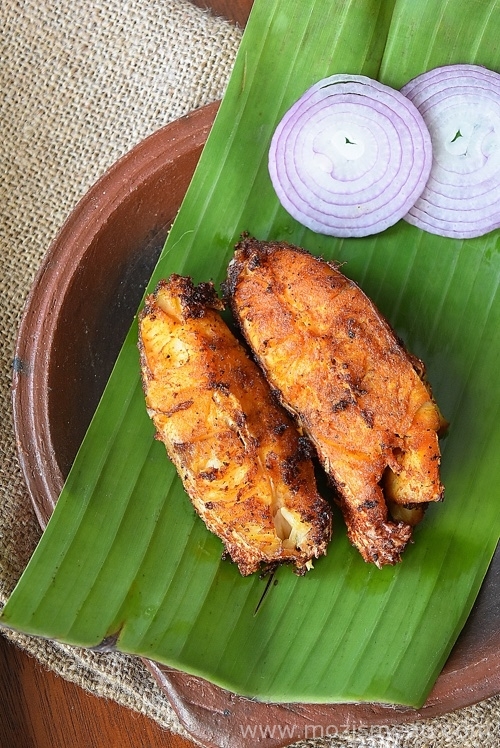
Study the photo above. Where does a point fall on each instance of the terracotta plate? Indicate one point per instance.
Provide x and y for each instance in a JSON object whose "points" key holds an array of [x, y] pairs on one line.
{"points": [[98, 267]]}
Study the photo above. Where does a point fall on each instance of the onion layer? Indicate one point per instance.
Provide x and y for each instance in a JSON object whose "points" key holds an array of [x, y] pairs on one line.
{"points": [[461, 107], [350, 157]]}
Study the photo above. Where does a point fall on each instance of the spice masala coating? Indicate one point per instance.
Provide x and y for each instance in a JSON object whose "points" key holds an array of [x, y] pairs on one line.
{"points": [[246, 469], [337, 366]]}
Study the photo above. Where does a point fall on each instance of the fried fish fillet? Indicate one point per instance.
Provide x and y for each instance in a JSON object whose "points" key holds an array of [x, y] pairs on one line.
{"points": [[245, 467], [338, 367]]}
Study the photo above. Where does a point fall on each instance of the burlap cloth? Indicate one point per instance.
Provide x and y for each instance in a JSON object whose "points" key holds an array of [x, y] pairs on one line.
{"points": [[81, 83]]}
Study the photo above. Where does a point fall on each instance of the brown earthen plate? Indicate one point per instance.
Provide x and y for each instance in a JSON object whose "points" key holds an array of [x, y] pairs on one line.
{"points": [[96, 270]]}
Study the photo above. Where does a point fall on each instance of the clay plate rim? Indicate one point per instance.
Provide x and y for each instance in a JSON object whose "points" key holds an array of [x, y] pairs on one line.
{"points": [[136, 201]]}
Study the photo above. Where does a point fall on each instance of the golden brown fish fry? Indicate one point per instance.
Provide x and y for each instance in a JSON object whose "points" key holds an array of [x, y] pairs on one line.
{"points": [[360, 397], [243, 464]]}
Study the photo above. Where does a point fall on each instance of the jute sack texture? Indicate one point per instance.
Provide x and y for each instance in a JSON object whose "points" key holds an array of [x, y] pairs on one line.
{"points": [[81, 84]]}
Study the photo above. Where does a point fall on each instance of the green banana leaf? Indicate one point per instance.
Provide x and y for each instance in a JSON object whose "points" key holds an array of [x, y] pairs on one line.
{"points": [[125, 561]]}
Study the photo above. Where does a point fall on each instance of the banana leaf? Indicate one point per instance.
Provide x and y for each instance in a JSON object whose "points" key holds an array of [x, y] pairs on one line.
{"points": [[124, 560]]}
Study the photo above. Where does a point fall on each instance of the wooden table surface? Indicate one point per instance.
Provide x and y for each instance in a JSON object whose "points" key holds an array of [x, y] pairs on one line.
{"points": [[38, 709]]}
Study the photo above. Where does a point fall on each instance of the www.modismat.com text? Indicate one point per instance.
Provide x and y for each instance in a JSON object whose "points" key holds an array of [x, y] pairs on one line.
{"points": [[373, 736]]}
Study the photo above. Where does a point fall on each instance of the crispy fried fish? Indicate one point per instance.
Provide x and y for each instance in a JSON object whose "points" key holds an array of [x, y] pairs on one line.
{"points": [[243, 464], [338, 367]]}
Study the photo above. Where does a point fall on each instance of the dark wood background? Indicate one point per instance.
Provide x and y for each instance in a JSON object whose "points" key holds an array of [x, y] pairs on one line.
{"points": [[38, 709]]}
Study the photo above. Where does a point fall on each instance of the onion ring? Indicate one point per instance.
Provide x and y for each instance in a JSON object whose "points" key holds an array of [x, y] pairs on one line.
{"points": [[461, 107], [350, 157]]}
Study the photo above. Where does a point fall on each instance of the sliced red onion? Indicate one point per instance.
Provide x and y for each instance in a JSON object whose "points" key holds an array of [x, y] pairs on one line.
{"points": [[461, 107], [350, 157]]}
